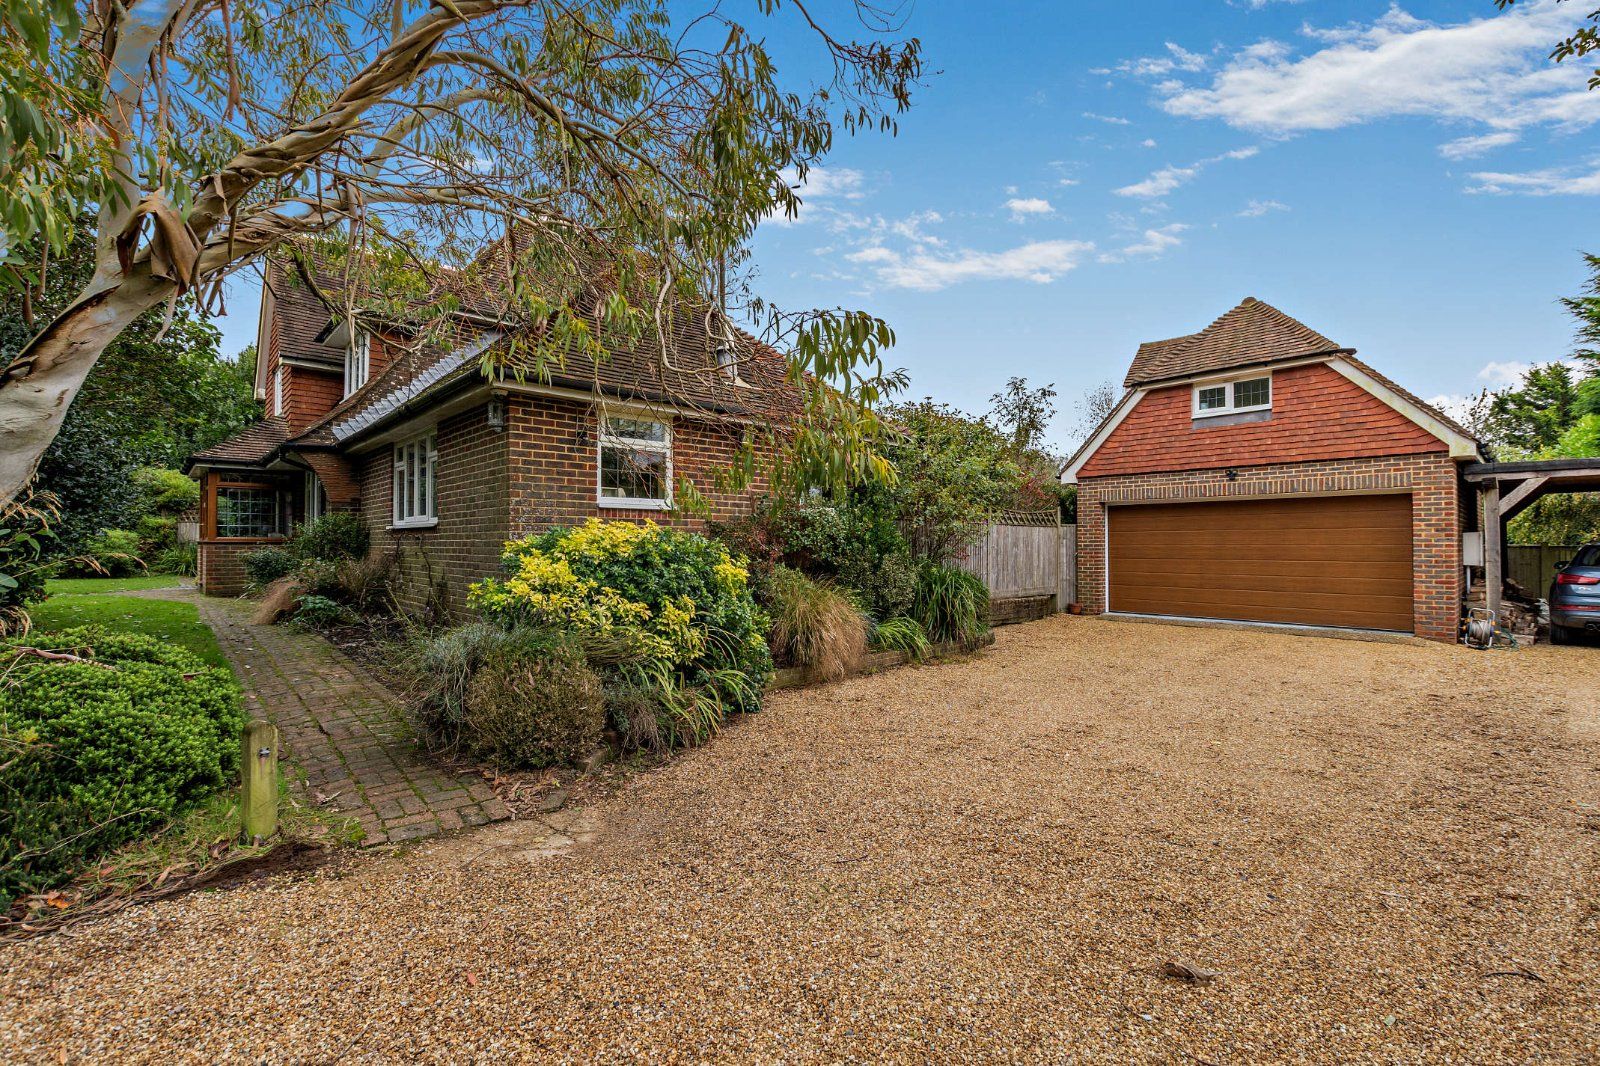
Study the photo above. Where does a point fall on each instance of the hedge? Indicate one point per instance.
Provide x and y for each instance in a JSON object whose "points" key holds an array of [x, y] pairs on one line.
{"points": [[100, 749]]}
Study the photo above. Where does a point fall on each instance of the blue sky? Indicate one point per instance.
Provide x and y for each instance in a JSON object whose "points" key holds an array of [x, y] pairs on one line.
{"points": [[1414, 180]]}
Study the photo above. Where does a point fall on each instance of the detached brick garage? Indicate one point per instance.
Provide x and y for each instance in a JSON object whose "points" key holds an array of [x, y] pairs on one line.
{"points": [[1256, 471]]}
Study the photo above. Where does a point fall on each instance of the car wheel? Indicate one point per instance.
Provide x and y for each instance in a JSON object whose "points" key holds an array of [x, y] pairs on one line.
{"points": [[1560, 634]]}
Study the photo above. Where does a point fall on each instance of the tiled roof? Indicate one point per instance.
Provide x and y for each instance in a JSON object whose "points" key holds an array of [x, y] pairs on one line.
{"points": [[1250, 334], [1412, 397], [685, 376], [251, 445], [301, 317]]}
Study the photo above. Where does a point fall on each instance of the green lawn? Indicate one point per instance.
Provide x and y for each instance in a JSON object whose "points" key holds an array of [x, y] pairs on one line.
{"points": [[77, 585], [176, 623]]}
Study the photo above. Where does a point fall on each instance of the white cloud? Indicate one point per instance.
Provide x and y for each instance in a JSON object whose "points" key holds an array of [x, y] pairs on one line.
{"points": [[822, 183], [1492, 70], [1471, 147], [1177, 58], [1169, 178], [1148, 142], [1067, 183], [1027, 207], [1500, 375], [1257, 5], [1161, 182], [1553, 181], [1040, 262], [1114, 120], [1151, 245], [1257, 208]]}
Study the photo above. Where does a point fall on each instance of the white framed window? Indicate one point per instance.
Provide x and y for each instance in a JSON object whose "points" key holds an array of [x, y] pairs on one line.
{"points": [[727, 357], [415, 464], [357, 358], [316, 497], [277, 391], [1212, 398], [635, 467]]}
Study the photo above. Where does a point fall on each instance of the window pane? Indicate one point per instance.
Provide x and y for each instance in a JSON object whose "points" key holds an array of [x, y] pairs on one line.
{"points": [[247, 513], [636, 429], [1254, 393], [1214, 399], [632, 473]]}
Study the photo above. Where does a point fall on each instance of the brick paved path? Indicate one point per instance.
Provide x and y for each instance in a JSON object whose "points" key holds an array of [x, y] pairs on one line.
{"points": [[346, 733]]}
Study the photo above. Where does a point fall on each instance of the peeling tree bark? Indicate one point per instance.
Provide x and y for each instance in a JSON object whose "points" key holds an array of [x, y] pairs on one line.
{"points": [[33, 403]]}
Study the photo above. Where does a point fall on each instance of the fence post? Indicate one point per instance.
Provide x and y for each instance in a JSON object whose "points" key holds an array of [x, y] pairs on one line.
{"points": [[258, 794]]}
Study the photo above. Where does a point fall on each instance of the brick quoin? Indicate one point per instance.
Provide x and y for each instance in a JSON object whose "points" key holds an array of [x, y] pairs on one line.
{"points": [[1430, 479]]}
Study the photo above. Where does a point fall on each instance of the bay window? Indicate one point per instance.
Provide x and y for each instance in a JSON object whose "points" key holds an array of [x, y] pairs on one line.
{"points": [[249, 512]]}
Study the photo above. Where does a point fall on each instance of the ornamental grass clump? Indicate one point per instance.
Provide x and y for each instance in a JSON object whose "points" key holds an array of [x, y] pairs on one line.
{"points": [[951, 605], [815, 625], [103, 737], [669, 598]]}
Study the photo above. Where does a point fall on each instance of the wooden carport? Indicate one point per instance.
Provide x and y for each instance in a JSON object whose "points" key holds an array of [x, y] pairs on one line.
{"points": [[1506, 489]]}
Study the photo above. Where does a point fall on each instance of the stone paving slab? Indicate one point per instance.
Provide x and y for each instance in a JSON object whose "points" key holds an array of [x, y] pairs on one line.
{"points": [[344, 731]]}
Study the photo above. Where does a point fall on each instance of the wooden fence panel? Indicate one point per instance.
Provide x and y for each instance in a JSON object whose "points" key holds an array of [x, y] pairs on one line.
{"points": [[1028, 560], [1533, 565], [1068, 568]]}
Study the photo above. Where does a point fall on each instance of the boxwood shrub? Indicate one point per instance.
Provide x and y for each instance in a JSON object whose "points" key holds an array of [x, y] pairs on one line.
{"points": [[94, 753]]}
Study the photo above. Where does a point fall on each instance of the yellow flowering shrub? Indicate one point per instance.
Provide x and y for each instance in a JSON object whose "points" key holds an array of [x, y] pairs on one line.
{"points": [[680, 597]]}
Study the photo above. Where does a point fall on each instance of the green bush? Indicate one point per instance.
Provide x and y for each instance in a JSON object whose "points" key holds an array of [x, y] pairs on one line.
{"points": [[115, 553], [888, 584], [166, 491], [952, 606], [533, 706], [26, 533], [335, 536], [180, 559], [681, 597], [815, 625], [99, 751], [321, 612], [266, 565]]}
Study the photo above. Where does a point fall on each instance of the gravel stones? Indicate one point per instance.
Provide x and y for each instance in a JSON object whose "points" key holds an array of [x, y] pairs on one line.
{"points": [[974, 861]]}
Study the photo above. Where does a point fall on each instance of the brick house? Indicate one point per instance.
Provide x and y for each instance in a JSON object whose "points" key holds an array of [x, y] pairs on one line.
{"points": [[448, 462], [1257, 471]]}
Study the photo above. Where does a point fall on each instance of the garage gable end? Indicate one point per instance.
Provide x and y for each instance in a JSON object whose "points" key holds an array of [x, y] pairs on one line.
{"points": [[1316, 413]]}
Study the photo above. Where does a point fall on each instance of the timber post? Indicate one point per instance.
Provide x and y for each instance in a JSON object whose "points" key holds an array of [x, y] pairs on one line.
{"points": [[258, 780]]}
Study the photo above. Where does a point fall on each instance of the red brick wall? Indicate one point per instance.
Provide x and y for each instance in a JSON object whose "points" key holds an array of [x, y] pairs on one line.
{"points": [[433, 567], [537, 473], [1430, 479], [1317, 414], [555, 461]]}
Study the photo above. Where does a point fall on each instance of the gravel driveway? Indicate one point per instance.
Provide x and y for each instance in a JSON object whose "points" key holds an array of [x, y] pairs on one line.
{"points": [[1387, 851]]}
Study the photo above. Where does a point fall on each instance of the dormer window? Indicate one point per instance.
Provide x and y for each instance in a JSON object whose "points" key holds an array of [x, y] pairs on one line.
{"points": [[356, 359], [1212, 398], [728, 361]]}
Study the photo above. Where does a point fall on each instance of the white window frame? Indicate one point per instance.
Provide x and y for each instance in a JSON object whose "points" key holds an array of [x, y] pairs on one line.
{"points": [[414, 489], [316, 497], [277, 392], [604, 437], [357, 360], [1229, 384]]}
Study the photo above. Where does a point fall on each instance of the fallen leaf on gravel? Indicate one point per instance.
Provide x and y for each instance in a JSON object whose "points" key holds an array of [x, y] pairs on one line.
{"points": [[472, 979], [1187, 971]]}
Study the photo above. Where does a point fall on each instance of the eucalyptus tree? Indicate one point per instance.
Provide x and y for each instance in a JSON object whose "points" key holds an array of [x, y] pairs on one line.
{"points": [[620, 153]]}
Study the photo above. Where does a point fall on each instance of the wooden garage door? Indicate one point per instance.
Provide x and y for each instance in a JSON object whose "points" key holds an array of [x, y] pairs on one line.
{"points": [[1332, 561]]}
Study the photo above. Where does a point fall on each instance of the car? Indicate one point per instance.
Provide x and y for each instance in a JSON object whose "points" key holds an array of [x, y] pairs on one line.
{"points": [[1575, 596]]}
